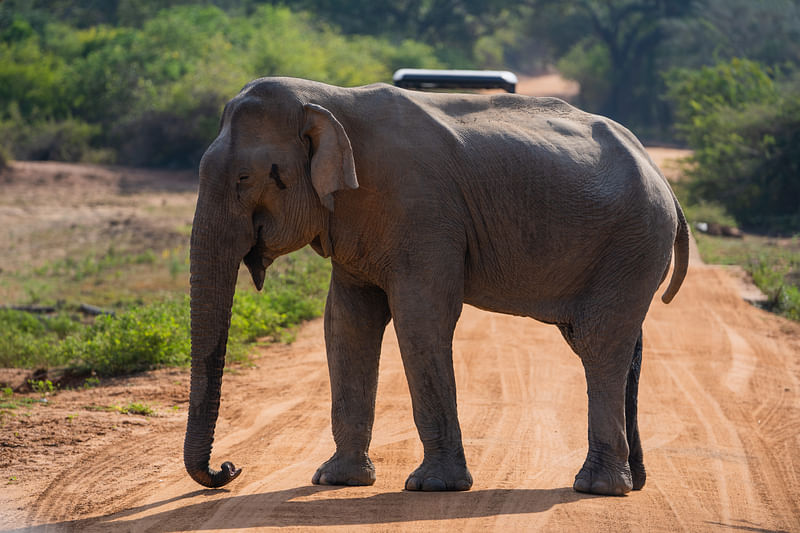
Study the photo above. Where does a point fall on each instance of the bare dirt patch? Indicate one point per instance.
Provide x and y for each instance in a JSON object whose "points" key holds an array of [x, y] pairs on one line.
{"points": [[50, 210], [548, 85], [59, 220]]}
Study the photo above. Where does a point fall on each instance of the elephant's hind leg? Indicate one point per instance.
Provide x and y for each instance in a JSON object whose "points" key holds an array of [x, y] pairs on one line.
{"points": [[355, 319], [635, 456], [607, 361]]}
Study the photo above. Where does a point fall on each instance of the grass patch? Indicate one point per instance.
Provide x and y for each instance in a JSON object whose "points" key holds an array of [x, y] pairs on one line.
{"points": [[135, 408], [157, 334], [8, 401], [774, 265], [112, 278], [132, 408]]}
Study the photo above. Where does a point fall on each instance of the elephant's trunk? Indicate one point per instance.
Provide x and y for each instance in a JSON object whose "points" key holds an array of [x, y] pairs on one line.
{"points": [[213, 282]]}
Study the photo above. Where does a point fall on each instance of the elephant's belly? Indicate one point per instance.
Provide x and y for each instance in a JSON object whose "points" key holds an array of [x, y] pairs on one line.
{"points": [[518, 300]]}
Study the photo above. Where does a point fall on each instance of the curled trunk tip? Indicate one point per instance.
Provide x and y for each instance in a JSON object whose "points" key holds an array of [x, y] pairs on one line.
{"points": [[208, 477]]}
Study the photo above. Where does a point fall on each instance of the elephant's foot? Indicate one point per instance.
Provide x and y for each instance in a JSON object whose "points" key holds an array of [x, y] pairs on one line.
{"points": [[638, 475], [438, 476], [345, 470], [601, 476]]}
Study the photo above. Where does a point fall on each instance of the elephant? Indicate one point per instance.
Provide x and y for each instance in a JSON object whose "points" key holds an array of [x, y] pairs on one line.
{"points": [[425, 201]]}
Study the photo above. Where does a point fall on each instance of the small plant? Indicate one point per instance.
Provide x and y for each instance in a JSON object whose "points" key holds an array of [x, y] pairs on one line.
{"points": [[71, 417], [12, 479], [43, 387], [782, 297], [134, 408], [8, 392], [99, 408], [13, 403], [91, 382]]}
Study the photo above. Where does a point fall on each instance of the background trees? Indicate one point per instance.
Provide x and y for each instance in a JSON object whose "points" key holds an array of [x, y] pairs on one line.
{"points": [[149, 93], [141, 81], [744, 123]]}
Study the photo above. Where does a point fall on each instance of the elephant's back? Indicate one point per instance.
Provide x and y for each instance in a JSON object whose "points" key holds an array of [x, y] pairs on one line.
{"points": [[575, 199]]}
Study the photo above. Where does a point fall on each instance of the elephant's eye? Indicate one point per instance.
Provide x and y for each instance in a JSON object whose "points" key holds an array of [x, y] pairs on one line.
{"points": [[243, 178]]}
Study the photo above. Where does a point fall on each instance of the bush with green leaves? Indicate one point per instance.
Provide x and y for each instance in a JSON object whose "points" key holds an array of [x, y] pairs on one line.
{"points": [[30, 340], [158, 334], [150, 93], [743, 121], [139, 339]]}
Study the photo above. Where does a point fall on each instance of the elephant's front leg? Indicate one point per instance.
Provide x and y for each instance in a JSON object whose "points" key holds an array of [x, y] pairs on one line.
{"points": [[355, 319], [425, 316]]}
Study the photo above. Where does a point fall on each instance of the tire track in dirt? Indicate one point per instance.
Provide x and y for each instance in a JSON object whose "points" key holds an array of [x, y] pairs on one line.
{"points": [[724, 354]]}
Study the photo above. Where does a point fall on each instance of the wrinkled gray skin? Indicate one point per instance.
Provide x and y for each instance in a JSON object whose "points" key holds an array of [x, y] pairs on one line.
{"points": [[518, 205]]}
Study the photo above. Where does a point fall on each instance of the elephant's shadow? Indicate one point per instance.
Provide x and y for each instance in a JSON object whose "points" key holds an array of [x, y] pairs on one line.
{"points": [[282, 508]]}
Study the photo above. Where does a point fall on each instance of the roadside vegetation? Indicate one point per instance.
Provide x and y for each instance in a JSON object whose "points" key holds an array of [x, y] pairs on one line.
{"points": [[156, 334], [144, 86], [742, 119], [773, 263]]}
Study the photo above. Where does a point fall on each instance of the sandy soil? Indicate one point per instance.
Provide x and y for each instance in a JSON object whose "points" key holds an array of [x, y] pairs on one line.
{"points": [[48, 210], [719, 415], [548, 85]]}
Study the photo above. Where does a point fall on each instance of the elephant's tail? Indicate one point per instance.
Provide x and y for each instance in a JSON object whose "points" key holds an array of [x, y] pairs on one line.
{"points": [[681, 247]]}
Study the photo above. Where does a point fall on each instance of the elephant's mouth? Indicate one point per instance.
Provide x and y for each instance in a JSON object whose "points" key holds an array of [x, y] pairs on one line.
{"points": [[257, 260]]}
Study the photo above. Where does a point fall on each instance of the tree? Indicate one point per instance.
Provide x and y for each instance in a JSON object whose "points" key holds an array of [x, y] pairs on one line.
{"points": [[150, 93], [616, 61], [744, 127], [719, 30]]}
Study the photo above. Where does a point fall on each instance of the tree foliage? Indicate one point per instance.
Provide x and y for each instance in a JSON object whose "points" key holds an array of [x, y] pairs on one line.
{"points": [[141, 81], [150, 94], [743, 121], [616, 59]]}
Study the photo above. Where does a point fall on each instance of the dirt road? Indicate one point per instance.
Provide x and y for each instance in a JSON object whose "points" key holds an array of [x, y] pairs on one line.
{"points": [[720, 414]]}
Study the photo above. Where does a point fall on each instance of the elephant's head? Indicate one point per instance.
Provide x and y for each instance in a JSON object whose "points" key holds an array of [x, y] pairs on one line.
{"points": [[266, 189]]}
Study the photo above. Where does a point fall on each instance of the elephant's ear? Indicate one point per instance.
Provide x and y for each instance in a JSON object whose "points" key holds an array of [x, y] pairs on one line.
{"points": [[332, 166]]}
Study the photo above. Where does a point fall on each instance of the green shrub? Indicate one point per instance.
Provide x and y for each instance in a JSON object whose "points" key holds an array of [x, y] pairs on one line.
{"points": [[59, 140], [33, 341], [139, 339], [151, 93], [745, 129], [157, 335], [782, 296]]}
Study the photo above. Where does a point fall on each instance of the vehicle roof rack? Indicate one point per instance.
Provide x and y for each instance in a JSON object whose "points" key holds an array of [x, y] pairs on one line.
{"points": [[418, 78]]}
